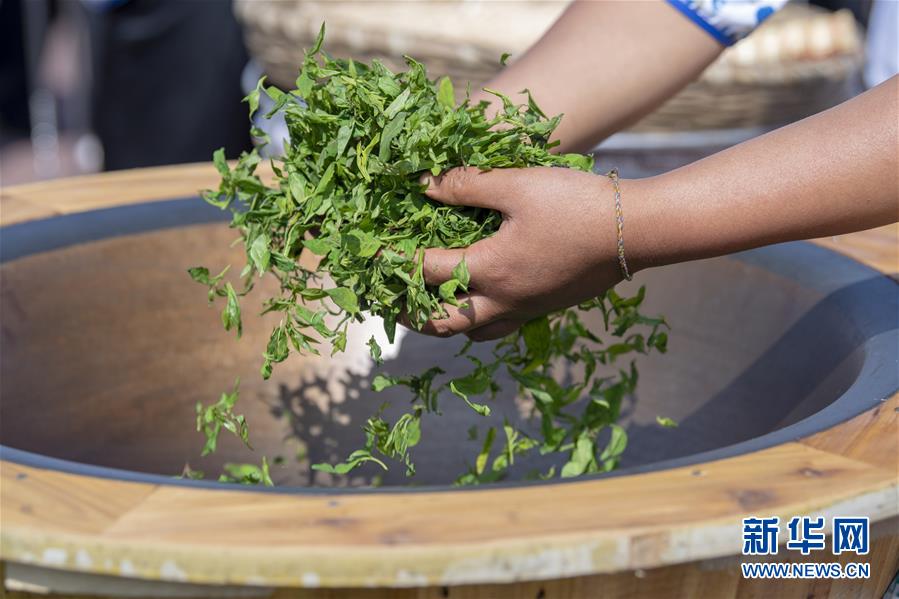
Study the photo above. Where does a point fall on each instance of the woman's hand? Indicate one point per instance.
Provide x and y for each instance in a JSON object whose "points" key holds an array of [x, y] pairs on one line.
{"points": [[829, 174], [555, 248]]}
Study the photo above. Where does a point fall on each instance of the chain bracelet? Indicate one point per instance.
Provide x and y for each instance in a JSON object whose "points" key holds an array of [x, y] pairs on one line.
{"points": [[619, 223]]}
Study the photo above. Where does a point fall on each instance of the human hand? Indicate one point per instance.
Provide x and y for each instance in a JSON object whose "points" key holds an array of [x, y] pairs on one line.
{"points": [[556, 247]]}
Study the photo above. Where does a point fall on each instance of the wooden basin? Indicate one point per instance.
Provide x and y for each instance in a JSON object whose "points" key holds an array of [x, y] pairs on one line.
{"points": [[781, 371]]}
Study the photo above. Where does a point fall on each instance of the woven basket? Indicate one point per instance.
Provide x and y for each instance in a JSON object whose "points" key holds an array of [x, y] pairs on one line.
{"points": [[798, 63]]}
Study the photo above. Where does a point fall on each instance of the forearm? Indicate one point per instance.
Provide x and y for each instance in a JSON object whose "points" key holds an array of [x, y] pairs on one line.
{"points": [[605, 64], [833, 173]]}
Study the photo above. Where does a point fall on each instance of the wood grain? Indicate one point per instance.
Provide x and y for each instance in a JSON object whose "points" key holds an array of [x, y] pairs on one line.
{"points": [[654, 534], [89, 192], [872, 437]]}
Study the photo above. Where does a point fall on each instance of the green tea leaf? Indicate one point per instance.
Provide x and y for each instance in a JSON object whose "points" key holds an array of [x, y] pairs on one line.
{"points": [[344, 298], [221, 165], [537, 338], [297, 187], [259, 253], [344, 134], [375, 351], [231, 313], [666, 422], [319, 246], [362, 244], [317, 44], [579, 161], [581, 458], [460, 273], [473, 384], [247, 474], [481, 462], [382, 382], [391, 130], [615, 447], [211, 419], [447, 291], [398, 104], [252, 99], [445, 94]]}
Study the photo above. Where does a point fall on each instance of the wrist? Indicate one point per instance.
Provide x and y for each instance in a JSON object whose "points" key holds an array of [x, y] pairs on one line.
{"points": [[646, 224]]}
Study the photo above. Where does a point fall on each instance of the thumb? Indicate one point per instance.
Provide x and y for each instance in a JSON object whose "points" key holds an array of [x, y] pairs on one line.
{"points": [[470, 186]]}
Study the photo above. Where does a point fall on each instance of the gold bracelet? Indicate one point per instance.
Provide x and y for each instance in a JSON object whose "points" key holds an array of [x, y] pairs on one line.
{"points": [[619, 222]]}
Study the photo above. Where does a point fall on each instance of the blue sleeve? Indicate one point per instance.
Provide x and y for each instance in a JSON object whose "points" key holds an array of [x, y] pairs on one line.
{"points": [[728, 21]]}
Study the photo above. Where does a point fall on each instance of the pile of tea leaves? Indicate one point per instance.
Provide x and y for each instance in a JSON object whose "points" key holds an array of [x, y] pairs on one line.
{"points": [[347, 189]]}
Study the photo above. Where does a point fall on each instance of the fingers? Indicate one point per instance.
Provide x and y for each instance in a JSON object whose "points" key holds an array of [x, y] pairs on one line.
{"points": [[478, 311], [495, 330], [470, 186], [439, 264], [480, 259]]}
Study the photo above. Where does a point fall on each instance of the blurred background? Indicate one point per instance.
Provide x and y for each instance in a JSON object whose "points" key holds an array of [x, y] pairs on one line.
{"points": [[92, 85]]}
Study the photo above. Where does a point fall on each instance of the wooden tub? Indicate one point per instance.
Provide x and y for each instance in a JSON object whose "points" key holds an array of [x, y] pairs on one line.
{"points": [[782, 372]]}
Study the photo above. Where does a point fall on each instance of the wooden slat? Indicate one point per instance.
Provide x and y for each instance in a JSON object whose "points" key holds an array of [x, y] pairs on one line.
{"points": [[31, 499], [872, 437]]}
